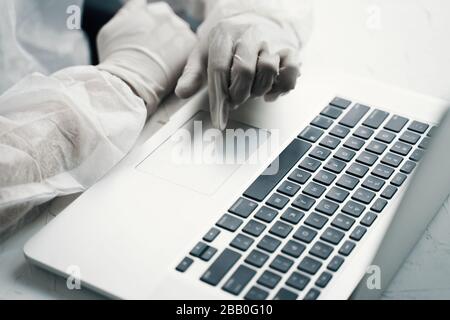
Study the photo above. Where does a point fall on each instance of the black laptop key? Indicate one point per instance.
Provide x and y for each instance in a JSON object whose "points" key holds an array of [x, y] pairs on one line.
{"points": [[347, 248], [299, 176], [228, 222], [358, 233], [284, 294], [280, 229], [354, 115], [353, 208], [198, 249], [330, 142], [335, 165], [396, 123], [281, 264], [309, 265], [373, 183], [266, 214], [310, 164], [269, 279], [323, 279], [343, 222], [238, 280], [314, 190], [354, 143], [363, 132], [288, 188], [322, 122], [305, 234], [331, 112], [383, 171], [425, 143], [266, 182], [340, 103], [335, 263], [398, 179], [409, 137], [208, 254], [344, 154], [184, 264], [242, 242], [367, 158], [337, 194], [417, 155], [211, 234], [303, 202], [432, 132], [392, 160], [376, 118], [312, 294], [243, 207], [418, 127], [256, 258], [277, 201], [320, 153], [385, 136], [339, 131], [311, 134], [256, 294], [325, 177], [389, 192], [298, 281], [378, 205], [368, 219], [269, 244], [292, 215], [254, 228], [408, 167], [401, 148], [347, 182], [327, 207], [293, 248], [376, 147], [357, 170], [363, 195], [220, 267], [332, 236], [316, 220]]}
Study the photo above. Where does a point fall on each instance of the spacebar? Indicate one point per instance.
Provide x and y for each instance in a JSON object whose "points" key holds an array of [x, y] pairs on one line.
{"points": [[277, 170]]}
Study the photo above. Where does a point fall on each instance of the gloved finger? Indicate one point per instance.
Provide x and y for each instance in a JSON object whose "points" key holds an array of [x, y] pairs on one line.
{"points": [[267, 71], [244, 68], [130, 4], [289, 72], [220, 58], [193, 75]]}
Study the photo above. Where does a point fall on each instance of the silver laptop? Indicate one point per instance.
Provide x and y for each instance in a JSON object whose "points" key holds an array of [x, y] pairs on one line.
{"points": [[293, 203]]}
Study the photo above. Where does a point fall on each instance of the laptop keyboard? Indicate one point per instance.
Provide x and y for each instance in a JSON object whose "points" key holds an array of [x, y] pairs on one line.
{"points": [[295, 228]]}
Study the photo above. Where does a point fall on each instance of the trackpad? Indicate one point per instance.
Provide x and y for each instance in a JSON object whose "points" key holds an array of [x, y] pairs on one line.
{"points": [[202, 158]]}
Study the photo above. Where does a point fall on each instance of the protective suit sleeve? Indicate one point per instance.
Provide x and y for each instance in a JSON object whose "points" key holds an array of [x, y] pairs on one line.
{"points": [[60, 134]]}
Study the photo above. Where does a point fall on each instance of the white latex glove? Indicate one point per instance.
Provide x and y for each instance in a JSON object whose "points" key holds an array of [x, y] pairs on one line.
{"points": [[250, 48], [146, 46]]}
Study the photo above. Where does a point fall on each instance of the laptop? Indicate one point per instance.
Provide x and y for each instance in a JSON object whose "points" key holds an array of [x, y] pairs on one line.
{"points": [[299, 212]]}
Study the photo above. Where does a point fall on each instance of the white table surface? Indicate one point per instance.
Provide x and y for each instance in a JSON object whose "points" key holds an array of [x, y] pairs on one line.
{"points": [[403, 42]]}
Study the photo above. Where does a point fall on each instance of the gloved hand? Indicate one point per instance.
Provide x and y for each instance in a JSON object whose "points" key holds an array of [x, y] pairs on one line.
{"points": [[249, 48], [147, 47]]}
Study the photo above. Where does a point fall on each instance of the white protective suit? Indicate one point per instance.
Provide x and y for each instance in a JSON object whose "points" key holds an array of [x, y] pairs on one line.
{"points": [[61, 132]]}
